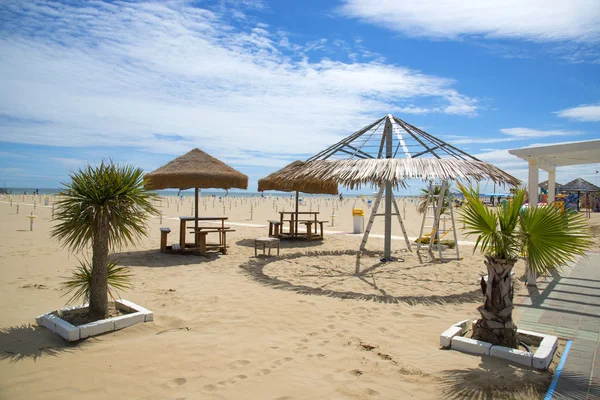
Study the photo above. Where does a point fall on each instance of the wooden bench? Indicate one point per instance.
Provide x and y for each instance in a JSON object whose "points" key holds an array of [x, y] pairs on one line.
{"points": [[163, 239], [274, 228], [268, 242]]}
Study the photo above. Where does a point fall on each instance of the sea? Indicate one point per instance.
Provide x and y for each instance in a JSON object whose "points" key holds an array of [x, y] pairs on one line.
{"points": [[207, 193]]}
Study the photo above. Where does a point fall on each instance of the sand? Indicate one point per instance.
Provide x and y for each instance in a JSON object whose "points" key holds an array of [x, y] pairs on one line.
{"points": [[302, 326]]}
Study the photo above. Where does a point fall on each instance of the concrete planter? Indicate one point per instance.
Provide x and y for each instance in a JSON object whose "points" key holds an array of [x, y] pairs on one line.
{"points": [[453, 338], [72, 333]]}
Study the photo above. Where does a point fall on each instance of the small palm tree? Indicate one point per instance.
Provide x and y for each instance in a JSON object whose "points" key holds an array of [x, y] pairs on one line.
{"points": [[106, 206], [426, 199], [547, 237]]}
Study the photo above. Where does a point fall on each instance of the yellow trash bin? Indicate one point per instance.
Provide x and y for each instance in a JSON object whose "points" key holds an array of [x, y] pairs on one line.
{"points": [[358, 220]]}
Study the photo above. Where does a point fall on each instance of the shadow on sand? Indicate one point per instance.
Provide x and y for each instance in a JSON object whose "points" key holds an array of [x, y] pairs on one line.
{"points": [[24, 342], [285, 243], [494, 379], [255, 268], [155, 259]]}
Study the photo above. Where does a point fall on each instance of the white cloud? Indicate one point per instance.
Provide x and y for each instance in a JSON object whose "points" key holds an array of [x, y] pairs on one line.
{"points": [[527, 133], [537, 20], [138, 74], [584, 112], [70, 163]]}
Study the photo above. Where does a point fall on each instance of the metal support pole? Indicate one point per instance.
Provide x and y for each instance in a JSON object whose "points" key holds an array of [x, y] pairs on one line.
{"points": [[387, 247], [196, 218]]}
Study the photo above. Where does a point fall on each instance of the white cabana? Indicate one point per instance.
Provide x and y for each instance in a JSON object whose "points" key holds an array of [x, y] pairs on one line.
{"points": [[556, 155], [548, 158]]}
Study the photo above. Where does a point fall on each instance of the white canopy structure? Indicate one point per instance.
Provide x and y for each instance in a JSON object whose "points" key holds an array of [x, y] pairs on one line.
{"points": [[556, 155], [548, 158]]}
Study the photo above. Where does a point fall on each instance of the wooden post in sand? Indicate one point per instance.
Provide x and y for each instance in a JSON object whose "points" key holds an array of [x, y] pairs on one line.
{"points": [[17, 208], [31, 218], [251, 211], [332, 217]]}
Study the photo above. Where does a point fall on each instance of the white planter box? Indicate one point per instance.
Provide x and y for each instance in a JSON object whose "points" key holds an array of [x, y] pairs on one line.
{"points": [[71, 332], [541, 359]]}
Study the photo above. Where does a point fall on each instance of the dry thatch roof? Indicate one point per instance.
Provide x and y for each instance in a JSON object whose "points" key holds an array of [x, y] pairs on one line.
{"points": [[579, 185], [278, 181], [355, 173], [196, 169], [544, 185]]}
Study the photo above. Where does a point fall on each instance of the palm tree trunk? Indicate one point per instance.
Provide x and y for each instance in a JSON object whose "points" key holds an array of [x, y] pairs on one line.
{"points": [[496, 325], [99, 287]]}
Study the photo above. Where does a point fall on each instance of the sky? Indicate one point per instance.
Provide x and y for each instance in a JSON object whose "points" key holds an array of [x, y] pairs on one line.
{"points": [[259, 84]]}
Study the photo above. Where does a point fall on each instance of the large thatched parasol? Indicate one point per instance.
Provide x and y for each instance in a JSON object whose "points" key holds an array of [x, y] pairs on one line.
{"points": [[379, 171], [387, 153], [196, 169], [280, 181]]}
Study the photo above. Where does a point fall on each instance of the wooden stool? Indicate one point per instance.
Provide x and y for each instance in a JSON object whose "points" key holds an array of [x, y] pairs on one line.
{"points": [[163, 239], [274, 228], [267, 242]]}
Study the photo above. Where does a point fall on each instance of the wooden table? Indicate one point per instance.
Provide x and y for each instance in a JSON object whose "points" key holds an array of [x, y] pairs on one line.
{"points": [[221, 230], [312, 216]]}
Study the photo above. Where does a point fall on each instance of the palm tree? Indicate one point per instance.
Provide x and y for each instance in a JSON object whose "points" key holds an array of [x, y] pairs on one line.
{"points": [[547, 237], [426, 199], [106, 206]]}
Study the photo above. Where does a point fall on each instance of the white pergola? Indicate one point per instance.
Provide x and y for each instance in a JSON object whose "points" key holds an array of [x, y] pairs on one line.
{"points": [[556, 155]]}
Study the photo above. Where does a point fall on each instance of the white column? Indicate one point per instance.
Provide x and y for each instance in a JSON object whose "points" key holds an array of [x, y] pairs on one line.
{"points": [[551, 185], [533, 202], [533, 183]]}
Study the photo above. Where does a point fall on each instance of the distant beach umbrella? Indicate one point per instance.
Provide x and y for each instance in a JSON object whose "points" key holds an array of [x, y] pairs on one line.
{"points": [[280, 181]]}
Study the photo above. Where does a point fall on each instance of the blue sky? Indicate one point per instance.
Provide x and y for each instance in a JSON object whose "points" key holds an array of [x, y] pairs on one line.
{"points": [[259, 84]]}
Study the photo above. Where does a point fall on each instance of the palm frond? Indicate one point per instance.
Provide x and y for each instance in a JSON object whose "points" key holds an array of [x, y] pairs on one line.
{"points": [[80, 282], [107, 192], [481, 221], [551, 238]]}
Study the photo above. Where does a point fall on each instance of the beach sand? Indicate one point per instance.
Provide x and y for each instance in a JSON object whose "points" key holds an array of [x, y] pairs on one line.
{"points": [[301, 326]]}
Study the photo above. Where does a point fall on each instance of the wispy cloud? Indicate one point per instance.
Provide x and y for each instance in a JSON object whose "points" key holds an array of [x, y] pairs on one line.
{"points": [[536, 20], [584, 112], [139, 74], [527, 133], [514, 134], [70, 163]]}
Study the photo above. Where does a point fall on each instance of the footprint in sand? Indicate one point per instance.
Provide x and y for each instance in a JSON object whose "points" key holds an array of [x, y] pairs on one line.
{"points": [[312, 334], [283, 361], [263, 372], [238, 364], [173, 383]]}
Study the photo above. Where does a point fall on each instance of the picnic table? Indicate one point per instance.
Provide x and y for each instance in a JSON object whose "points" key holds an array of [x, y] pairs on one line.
{"points": [[203, 231], [307, 218]]}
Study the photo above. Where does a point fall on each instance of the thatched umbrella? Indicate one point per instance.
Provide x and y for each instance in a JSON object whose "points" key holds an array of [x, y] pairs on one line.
{"points": [[196, 169], [388, 152], [279, 181], [379, 171], [579, 185]]}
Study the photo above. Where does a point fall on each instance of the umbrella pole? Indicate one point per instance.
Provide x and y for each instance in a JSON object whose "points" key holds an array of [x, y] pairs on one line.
{"points": [[296, 221], [196, 218]]}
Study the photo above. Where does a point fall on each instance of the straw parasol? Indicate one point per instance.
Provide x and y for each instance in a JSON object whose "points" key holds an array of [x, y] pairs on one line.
{"points": [[387, 153], [579, 185], [379, 171], [196, 169], [280, 181]]}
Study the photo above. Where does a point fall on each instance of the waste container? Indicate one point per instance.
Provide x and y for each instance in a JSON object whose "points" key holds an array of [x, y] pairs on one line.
{"points": [[358, 220], [46, 201]]}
